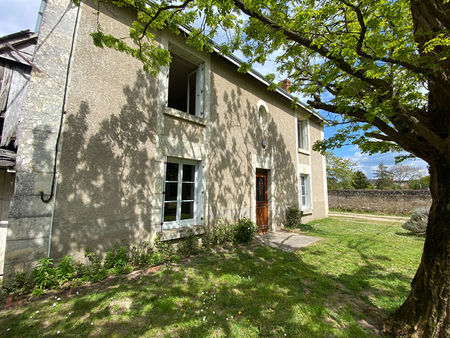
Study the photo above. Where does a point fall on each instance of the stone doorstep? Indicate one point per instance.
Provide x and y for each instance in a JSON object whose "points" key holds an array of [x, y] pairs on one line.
{"points": [[286, 241]]}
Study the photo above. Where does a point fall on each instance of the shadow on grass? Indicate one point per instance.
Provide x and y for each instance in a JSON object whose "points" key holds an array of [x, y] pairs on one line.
{"points": [[260, 291]]}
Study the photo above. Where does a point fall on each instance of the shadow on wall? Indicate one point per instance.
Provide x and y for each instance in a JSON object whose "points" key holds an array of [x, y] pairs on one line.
{"points": [[235, 136], [106, 175]]}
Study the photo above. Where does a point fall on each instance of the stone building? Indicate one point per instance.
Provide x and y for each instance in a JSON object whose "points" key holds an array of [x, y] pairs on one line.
{"points": [[112, 154]]}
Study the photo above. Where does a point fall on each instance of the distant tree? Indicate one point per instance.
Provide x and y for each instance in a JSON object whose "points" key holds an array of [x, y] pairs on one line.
{"points": [[339, 172], [403, 173], [360, 180], [421, 183], [383, 178]]}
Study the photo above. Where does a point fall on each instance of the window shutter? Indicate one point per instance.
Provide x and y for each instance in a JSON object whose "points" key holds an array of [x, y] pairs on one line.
{"points": [[199, 90]]}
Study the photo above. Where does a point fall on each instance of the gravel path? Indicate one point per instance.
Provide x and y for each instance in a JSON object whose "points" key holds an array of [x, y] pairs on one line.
{"points": [[368, 217]]}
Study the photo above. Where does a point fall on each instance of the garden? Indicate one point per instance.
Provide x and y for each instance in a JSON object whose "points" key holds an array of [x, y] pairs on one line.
{"points": [[345, 285]]}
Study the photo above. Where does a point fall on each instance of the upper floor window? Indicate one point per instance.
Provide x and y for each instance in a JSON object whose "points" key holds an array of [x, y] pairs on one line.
{"points": [[302, 134], [186, 83], [263, 114]]}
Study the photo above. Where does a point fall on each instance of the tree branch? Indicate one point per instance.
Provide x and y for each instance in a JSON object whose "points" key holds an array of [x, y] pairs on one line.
{"points": [[391, 60], [321, 50]]}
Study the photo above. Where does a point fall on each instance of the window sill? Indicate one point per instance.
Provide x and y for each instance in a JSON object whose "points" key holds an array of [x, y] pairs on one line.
{"points": [[307, 212], [172, 234], [185, 116], [303, 151]]}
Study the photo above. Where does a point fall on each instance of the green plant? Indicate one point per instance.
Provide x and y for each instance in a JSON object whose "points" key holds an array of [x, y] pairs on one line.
{"points": [[116, 258], [95, 271], [293, 217], [245, 230], [140, 254], [189, 245], [164, 249], [65, 270], [44, 276], [221, 233], [20, 284]]}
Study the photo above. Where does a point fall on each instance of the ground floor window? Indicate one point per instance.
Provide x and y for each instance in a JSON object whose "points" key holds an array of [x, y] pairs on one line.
{"points": [[181, 193], [305, 191]]}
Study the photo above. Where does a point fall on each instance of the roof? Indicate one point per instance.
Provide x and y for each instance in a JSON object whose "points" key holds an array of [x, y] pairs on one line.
{"points": [[22, 35], [258, 76]]}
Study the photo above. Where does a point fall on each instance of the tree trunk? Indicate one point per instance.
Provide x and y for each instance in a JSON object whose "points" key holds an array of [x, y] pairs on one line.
{"points": [[426, 311]]}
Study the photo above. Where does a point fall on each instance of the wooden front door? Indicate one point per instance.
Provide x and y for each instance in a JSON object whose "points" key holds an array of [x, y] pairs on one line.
{"points": [[262, 206]]}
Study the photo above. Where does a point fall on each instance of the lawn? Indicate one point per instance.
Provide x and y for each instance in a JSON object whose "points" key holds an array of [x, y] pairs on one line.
{"points": [[345, 286]]}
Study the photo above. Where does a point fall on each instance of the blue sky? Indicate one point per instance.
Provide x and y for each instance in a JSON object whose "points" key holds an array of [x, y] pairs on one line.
{"points": [[16, 15]]}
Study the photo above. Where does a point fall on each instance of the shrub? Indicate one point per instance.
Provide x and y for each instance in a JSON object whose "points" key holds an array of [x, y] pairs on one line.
{"points": [[245, 230], [141, 254], [65, 271], [116, 258], [164, 249], [417, 224], [189, 245], [20, 284], [44, 276], [219, 234], [95, 270], [293, 217]]}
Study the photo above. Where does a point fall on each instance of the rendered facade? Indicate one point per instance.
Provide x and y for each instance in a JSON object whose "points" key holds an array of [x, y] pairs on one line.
{"points": [[120, 156]]}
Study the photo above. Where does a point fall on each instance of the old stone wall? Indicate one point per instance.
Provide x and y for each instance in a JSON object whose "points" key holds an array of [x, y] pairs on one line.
{"points": [[400, 202], [29, 217]]}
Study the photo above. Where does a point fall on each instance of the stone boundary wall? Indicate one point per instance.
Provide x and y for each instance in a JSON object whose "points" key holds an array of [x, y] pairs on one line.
{"points": [[400, 202]]}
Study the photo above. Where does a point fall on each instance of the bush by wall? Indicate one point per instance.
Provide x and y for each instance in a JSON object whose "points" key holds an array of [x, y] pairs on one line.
{"points": [[123, 259]]}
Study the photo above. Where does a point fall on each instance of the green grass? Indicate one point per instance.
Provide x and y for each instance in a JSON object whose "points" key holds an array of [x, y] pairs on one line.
{"points": [[342, 286]]}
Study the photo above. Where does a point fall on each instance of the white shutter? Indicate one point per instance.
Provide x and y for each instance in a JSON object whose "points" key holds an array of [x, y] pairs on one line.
{"points": [[199, 90]]}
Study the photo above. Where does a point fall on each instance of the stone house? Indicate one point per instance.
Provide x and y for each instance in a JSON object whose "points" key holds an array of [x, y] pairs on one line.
{"points": [[112, 154]]}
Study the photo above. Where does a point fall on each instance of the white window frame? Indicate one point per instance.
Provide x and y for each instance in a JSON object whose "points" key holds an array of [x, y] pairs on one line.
{"points": [[199, 88], [263, 121], [305, 192], [198, 203], [303, 134]]}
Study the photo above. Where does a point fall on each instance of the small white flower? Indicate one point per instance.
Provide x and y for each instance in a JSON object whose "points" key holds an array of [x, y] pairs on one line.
{"points": [[54, 304], [78, 293], [58, 332], [70, 313], [92, 323], [201, 310], [204, 318], [8, 329], [58, 299], [37, 311], [214, 312]]}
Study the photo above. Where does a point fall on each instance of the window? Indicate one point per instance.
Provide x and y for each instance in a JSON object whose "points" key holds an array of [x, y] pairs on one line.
{"points": [[263, 114], [305, 191], [302, 134], [185, 86], [181, 195]]}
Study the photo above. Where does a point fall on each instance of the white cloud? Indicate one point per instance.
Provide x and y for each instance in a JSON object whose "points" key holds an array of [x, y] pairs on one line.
{"points": [[18, 15]]}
